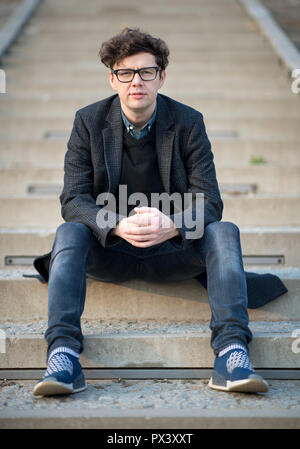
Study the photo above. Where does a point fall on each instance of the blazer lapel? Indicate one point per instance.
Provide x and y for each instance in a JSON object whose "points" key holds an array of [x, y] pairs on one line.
{"points": [[113, 145], [164, 142]]}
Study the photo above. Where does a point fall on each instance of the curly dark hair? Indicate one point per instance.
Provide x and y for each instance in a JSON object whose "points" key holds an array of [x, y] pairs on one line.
{"points": [[130, 42]]}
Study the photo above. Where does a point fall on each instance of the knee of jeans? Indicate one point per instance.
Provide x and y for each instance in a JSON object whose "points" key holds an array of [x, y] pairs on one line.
{"points": [[71, 232], [222, 230]]}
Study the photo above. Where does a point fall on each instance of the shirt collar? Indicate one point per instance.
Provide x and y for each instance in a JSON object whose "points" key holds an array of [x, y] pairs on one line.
{"points": [[133, 130]]}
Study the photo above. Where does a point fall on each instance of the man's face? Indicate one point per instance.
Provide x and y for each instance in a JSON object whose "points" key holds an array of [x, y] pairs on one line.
{"points": [[137, 96]]}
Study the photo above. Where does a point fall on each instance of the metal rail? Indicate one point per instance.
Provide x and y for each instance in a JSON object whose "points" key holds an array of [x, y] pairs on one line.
{"points": [[11, 30], [280, 41]]}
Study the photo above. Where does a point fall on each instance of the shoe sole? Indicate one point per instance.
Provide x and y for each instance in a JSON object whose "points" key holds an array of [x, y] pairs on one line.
{"points": [[52, 387], [250, 385]]}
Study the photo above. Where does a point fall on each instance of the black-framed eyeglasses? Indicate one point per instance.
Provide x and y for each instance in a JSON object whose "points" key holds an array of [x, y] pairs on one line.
{"points": [[127, 75]]}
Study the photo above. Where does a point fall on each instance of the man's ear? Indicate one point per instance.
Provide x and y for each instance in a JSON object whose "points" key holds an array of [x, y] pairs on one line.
{"points": [[162, 78], [112, 80]]}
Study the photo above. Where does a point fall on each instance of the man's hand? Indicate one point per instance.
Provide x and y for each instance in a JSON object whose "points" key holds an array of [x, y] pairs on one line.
{"points": [[147, 227]]}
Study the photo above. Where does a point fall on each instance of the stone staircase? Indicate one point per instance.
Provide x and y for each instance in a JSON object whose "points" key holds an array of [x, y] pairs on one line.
{"points": [[221, 65]]}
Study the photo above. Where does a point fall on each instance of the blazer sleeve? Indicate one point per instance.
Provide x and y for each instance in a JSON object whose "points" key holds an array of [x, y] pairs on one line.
{"points": [[78, 203], [201, 174]]}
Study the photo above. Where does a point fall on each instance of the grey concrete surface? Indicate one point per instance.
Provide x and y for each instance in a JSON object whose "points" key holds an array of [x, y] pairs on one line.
{"points": [[25, 299], [243, 210], [146, 403], [150, 344]]}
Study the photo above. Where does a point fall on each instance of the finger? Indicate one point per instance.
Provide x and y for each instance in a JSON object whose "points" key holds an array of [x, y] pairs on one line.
{"points": [[145, 244], [143, 209], [137, 242], [132, 242], [145, 231], [143, 238], [143, 219]]}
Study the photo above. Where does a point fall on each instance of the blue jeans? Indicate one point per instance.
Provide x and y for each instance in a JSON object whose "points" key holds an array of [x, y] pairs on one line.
{"points": [[77, 254]]}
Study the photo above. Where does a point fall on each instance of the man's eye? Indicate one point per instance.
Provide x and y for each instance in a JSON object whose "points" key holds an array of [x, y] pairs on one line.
{"points": [[125, 73], [147, 72]]}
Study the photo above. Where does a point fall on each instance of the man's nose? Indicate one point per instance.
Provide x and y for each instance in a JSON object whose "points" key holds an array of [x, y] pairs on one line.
{"points": [[137, 79]]}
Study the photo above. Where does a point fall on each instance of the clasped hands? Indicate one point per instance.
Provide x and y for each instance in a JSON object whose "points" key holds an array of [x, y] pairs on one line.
{"points": [[146, 228]]}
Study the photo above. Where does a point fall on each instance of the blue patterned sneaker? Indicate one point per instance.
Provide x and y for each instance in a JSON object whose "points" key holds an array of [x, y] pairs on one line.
{"points": [[234, 372], [63, 375]]}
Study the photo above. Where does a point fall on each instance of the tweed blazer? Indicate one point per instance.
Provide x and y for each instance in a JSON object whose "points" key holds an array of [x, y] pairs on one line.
{"points": [[93, 161]]}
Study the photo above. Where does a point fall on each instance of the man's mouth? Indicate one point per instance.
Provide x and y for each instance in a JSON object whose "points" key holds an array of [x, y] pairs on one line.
{"points": [[137, 94]]}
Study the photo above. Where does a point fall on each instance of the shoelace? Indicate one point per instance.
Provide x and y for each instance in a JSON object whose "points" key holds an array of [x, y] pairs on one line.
{"points": [[59, 362], [238, 359]]}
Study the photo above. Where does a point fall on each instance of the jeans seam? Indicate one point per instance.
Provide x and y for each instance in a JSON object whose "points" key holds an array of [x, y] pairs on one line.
{"points": [[81, 299]]}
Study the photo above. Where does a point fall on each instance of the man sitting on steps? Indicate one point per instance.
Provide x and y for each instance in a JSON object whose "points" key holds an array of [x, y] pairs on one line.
{"points": [[136, 143]]}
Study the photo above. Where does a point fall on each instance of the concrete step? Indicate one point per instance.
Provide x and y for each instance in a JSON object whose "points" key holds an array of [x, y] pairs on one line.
{"points": [[236, 109], [261, 210], [257, 210], [218, 91], [48, 43], [262, 129], [22, 99], [50, 40], [30, 212], [107, 12], [25, 299], [95, 68], [52, 24], [275, 129], [262, 241], [18, 181], [52, 28], [159, 25], [26, 127], [78, 80], [211, 108], [240, 152], [93, 65], [85, 97], [255, 241], [263, 178], [227, 151], [55, 16], [17, 154], [102, 89], [151, 404], [182, 50], [57, 47], [145, 344], [87, 87]]}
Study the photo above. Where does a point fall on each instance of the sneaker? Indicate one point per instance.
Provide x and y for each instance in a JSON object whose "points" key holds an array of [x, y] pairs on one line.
{"points": [[234, 372], [63, 375]]}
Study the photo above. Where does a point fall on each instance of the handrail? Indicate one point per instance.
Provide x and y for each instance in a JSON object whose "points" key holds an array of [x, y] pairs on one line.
{"points": [[14, 25]]}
